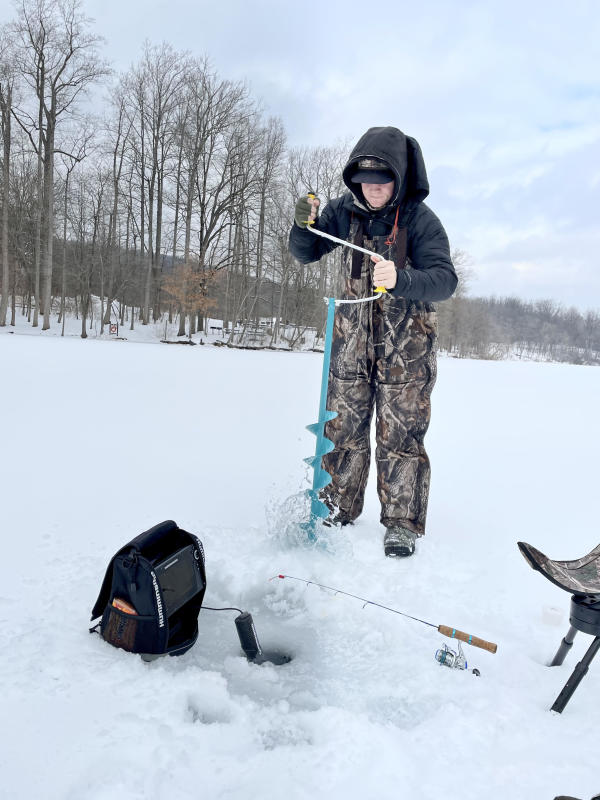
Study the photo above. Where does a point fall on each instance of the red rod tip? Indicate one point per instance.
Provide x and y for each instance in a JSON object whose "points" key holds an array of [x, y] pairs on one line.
{"points": [[281, 576]]}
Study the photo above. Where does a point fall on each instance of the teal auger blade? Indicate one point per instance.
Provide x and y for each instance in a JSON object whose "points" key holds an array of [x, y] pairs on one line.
{"points": [[318, 511], [321, 478], [315, 461], [318, 427]]}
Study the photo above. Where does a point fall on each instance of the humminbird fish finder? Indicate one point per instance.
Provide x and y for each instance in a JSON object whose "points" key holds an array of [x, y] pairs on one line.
{"points": [[179, 577]]}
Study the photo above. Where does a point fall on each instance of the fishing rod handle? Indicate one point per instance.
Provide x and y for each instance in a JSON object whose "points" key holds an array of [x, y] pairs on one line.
{"points": [[446, 630]]}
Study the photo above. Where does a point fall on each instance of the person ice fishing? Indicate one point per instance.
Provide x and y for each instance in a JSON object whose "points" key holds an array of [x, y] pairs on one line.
{"points": [[383, 352]]}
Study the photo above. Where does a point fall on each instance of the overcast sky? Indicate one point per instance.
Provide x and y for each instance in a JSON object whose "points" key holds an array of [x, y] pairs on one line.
{"points": [[504, 98]]}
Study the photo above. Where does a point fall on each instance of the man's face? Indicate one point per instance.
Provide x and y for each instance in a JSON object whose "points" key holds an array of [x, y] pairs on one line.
{"points": [[377, 194]]}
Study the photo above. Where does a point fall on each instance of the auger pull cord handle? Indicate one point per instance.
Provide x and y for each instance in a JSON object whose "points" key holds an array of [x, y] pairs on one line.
{"points": [[310, 222], [452, 633]]}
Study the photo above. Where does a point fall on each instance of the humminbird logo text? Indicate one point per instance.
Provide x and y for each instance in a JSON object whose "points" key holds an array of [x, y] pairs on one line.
{"points": [[161, 618]]}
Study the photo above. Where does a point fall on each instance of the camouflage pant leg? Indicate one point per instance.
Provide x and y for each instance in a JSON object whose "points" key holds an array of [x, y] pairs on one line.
{"points": [[405, 375], [348, 463], [403, 471]]}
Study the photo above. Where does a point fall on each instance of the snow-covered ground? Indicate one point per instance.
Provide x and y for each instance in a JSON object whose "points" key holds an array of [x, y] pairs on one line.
{"points": [[162, 330], [101, 440]]}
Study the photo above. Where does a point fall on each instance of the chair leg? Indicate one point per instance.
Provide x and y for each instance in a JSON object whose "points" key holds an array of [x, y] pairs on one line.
{"points": [[577, 676], [565, 646]]}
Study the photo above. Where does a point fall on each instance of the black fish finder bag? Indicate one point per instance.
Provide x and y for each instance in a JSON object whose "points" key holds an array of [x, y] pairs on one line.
{"points": [[152, 592]]}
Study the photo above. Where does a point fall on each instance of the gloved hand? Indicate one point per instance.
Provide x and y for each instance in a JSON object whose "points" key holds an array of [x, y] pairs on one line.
{"points": [[306, 209]]}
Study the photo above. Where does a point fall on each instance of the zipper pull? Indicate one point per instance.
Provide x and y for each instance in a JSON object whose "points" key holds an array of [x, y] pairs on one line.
{"points": [[131, 565]]}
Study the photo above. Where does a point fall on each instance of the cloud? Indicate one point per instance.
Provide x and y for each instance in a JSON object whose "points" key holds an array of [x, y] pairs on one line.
{"points": [[501, 94]]}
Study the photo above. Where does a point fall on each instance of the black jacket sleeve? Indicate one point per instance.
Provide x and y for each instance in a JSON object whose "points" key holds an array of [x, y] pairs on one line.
{"points": [[431, 276], [308, 247]]}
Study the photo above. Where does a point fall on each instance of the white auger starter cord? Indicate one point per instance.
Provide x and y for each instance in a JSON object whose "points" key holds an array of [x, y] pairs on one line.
{"points": [[381, 290]]}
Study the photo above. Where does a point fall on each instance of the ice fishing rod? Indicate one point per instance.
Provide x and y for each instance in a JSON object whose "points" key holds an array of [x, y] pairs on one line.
{"points": [[445, 630]]}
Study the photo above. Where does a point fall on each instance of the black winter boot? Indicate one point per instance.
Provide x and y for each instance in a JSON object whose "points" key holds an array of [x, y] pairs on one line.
{"points": [[399, 541]]}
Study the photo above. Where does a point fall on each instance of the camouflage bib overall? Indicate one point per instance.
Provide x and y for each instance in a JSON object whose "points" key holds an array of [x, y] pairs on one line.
{"points": [[383, 357]]}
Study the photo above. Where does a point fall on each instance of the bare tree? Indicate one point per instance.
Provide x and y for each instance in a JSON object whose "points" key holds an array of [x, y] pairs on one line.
{"points": [[272, 147], [7, 83], [119, 136], [59, 60], [21, 214], [78, 150], [319, 169], [453, 314], [155, 84]]}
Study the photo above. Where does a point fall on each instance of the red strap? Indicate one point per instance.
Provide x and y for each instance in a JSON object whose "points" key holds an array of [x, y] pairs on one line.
{"points": [[392, 237]]}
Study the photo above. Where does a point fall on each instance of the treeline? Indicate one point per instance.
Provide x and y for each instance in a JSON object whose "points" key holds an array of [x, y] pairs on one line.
{"points": [[176, 201], [179, 195], [494, 328]]}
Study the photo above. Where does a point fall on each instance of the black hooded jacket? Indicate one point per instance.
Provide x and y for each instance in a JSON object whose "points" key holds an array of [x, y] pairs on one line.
{"points": [[432, 276]]}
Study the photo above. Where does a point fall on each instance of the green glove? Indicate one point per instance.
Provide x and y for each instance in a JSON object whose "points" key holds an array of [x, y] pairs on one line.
{"points": [[303, 210]]}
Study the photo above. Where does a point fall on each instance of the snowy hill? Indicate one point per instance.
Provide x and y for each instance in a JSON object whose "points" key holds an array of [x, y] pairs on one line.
{"points": [[102, 440]]}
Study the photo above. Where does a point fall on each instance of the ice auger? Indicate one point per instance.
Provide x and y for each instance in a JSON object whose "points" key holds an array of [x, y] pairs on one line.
{"points": [[321, 478]]}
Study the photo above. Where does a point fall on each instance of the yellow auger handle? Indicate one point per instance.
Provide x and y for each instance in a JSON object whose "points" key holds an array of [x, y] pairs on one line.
{"points": [[446, 630], [311, 196], [380, 289]]}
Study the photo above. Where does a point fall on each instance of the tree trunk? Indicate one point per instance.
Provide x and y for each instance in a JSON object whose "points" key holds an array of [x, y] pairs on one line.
{"points": [[49, 196], [157, 256], [13, 320], [150, 257], [64, 264], [85, 300], [39, 202], [6, 104], [181, 330]]}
